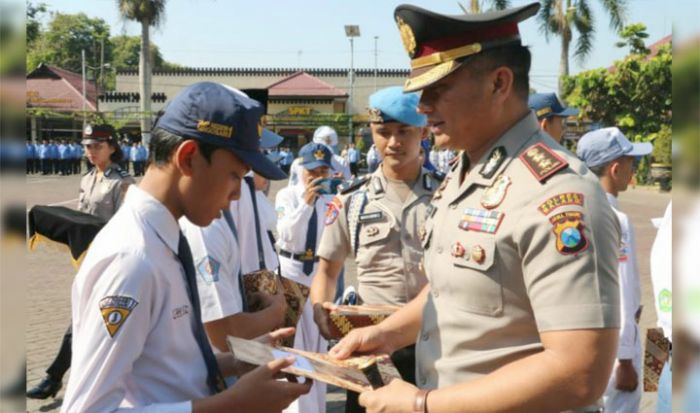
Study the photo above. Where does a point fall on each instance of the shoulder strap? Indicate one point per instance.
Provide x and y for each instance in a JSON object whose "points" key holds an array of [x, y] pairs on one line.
{"points": [[261, 252], [232, 226], [356, 205]]}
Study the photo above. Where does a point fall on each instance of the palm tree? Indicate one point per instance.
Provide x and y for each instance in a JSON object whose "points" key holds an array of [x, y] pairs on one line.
{"points": [[475, 6], [562, 17], [148, 13]]}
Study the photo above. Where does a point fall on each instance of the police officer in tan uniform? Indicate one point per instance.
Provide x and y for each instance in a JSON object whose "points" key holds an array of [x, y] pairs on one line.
{"points": [[102, 189], [377, 220], [521, 312]]}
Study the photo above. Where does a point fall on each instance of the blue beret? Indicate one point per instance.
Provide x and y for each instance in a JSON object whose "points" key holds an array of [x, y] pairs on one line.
{"points": [[393, 105]]}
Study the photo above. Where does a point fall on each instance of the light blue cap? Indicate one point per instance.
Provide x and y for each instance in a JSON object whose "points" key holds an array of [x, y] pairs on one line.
{"points": [[601, 146], [393, 105], [269, 139]]}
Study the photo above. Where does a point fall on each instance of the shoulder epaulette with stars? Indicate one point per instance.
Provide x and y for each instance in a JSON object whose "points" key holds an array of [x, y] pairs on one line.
{"points": [[351, 186]]}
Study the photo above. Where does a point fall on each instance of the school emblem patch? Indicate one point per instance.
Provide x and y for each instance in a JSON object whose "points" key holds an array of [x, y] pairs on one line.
{"points": [[208, 269], [559, 200], [542, 161], [568, 227], [115, 310]]}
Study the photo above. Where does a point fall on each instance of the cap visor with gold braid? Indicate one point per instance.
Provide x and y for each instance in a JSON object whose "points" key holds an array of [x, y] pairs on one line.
{"points": [[438, 44]]}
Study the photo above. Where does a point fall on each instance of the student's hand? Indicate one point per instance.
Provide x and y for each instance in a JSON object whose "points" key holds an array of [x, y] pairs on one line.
{"points": [[369, 339], [396, 397], [626, 376], [260, 391], [322, 319], [312, 190]]}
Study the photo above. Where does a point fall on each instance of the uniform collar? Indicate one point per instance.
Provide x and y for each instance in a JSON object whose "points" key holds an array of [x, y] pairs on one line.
{"points": [[513, 142], [613, 200], [424, 185], [155, 214]]}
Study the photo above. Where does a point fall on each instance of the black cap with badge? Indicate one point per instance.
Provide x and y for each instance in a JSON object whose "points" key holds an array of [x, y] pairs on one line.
{"points": [[438, 44], [98, 133]]}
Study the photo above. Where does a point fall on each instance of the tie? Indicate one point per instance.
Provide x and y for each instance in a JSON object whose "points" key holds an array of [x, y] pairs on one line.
{"points": [[215, 380], [310, 249]]}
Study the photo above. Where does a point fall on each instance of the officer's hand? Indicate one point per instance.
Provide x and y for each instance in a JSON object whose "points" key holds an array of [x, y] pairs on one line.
{"points": [[322, 319], [260, 391], [626, 375], [396, 397], [362, 340], [312, 190], [273, 337]]}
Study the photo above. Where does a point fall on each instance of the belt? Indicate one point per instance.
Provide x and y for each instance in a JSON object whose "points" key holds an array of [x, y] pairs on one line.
{"points": [[307, 256]]}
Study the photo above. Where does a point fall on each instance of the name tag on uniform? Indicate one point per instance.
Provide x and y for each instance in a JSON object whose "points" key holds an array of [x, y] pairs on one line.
{"points": [[371, 217], [481, 220]]}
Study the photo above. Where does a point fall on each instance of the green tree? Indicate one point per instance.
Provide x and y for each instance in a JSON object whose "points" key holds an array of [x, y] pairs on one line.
{"points": [[562, 17], [66, 35], [148, 13], [635, 96], [33, 24], [634, 36]]}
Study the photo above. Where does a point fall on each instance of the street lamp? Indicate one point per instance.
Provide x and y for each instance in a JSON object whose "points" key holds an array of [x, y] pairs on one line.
{"points": [[351, 31]]}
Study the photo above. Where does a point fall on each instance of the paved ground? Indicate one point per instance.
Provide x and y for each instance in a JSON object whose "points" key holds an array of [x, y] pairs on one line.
{"points": [[50, 275]]}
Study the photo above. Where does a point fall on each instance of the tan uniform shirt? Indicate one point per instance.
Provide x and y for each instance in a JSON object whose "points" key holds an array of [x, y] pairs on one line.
{"points": [[389, 251], [526, 244], [102, 196]]}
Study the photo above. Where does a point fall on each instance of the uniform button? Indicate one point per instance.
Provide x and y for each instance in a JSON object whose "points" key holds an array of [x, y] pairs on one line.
{"points": [[439, 250], [436, 293], [425, 336]]}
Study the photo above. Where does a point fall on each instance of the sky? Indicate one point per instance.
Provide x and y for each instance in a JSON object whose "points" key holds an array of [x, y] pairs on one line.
{"points": [[310, 33]]}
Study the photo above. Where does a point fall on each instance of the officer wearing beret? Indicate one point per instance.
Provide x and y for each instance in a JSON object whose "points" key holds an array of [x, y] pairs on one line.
{"points": [[551, 113], [377, 220], [522, 308], [138, 341]]}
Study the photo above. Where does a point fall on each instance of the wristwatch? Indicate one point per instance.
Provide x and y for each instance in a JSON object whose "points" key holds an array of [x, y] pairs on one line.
{"points": [[420, 404]]}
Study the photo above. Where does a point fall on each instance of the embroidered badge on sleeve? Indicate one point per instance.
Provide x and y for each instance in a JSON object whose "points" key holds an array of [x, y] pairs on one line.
{"points": [[568, 227], [559, 200], [115, 310]]}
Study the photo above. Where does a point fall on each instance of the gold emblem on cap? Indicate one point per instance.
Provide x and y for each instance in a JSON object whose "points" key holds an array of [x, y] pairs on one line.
{"points": [[217, 129], [319, 155], [407, 37], [375, 115]]}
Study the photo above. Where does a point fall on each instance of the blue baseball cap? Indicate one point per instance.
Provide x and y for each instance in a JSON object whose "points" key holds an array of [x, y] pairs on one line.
{"points": [[601, 146], [270, 139], [547, 105], [393, 105], [221, 116], [314, 155]]}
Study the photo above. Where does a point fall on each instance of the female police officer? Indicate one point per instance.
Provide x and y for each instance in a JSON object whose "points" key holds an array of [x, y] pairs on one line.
{"points": [[102, 189]]}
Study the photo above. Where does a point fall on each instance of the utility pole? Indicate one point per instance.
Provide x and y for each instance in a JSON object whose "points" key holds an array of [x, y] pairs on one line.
{"points": [[82, 55], [375, 62], [351, 31], [102, 77]]}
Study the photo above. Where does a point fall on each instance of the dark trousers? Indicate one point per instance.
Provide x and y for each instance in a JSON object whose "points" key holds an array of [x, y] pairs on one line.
{"points": [[45, 166], [405, 362], [76, 166], [354, 168], [30, 166], [61, 363]]}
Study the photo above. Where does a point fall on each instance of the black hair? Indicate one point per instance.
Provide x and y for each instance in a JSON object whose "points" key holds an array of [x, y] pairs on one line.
{"points": [[116, 156], [515, 57], [164, 143]]}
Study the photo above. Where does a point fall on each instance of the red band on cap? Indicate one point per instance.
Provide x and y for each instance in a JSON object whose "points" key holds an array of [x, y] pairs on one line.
{"points": [[99, 134], [462, 39]]}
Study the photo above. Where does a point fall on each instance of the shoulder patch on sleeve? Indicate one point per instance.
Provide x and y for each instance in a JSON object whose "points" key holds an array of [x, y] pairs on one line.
{"points": [[568, 228], [354, 185], [559, 200], [115, 310], [208, 268], [542, 161], [333, 211]]}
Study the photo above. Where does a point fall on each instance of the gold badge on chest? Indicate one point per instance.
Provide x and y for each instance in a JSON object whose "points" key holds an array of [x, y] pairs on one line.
{"points": [[496, 193]]}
